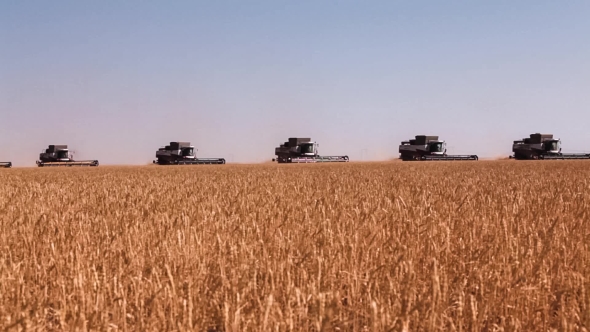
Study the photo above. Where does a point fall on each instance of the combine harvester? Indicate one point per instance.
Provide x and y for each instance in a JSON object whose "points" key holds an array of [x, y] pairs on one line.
{"points": [[183, 153], [5, 164], [428, 148], [542, 147], [303, 150], [59, 155]]}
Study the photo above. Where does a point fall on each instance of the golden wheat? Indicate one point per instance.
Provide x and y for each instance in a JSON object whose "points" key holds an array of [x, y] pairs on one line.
{"points": [[476, 246]]}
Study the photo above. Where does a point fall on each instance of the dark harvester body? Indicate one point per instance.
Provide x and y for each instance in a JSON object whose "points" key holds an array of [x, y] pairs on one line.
{"points": [[425, 148], [542, 147], [303, 150], [59, 156], [183, 153]]}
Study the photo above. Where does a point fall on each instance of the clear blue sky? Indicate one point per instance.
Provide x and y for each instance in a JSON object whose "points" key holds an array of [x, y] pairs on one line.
{"points": [[117, 79]]}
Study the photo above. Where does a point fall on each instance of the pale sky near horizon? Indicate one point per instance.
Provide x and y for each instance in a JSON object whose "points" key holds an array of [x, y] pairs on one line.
{"points": [[115, 80]]}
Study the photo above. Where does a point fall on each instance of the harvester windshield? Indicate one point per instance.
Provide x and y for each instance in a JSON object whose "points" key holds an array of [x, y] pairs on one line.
{"points": [[437, 147], [307, 148], [552, 145], [188, 152], [62, 154]]}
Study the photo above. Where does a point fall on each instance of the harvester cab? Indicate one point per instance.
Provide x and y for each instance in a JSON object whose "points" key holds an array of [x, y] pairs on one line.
{"points": [[437, 147], [542, 146], [188, 152], [552, 146], [62, 155], [424, 147], [303, 150], [59, 155], [309, 149], [182, 153]]}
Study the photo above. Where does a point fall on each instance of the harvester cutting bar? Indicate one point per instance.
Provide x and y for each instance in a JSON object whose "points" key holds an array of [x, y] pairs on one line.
{"points": [[565, 156], [202, 161], [319, 159], [448, 157], [91, 163], [6, 164]]}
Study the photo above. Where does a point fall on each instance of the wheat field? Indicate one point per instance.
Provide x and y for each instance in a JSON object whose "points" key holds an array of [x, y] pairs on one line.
{"points": [[447, 246]]}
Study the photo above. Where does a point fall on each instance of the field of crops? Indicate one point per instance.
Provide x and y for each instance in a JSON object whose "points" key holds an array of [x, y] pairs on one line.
{"points": [[459, 246]]}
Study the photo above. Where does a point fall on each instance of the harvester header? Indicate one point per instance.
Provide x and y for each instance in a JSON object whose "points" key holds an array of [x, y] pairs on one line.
{"points": [[424, 148], [303, 150], [5, 164], [182, 153]]}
